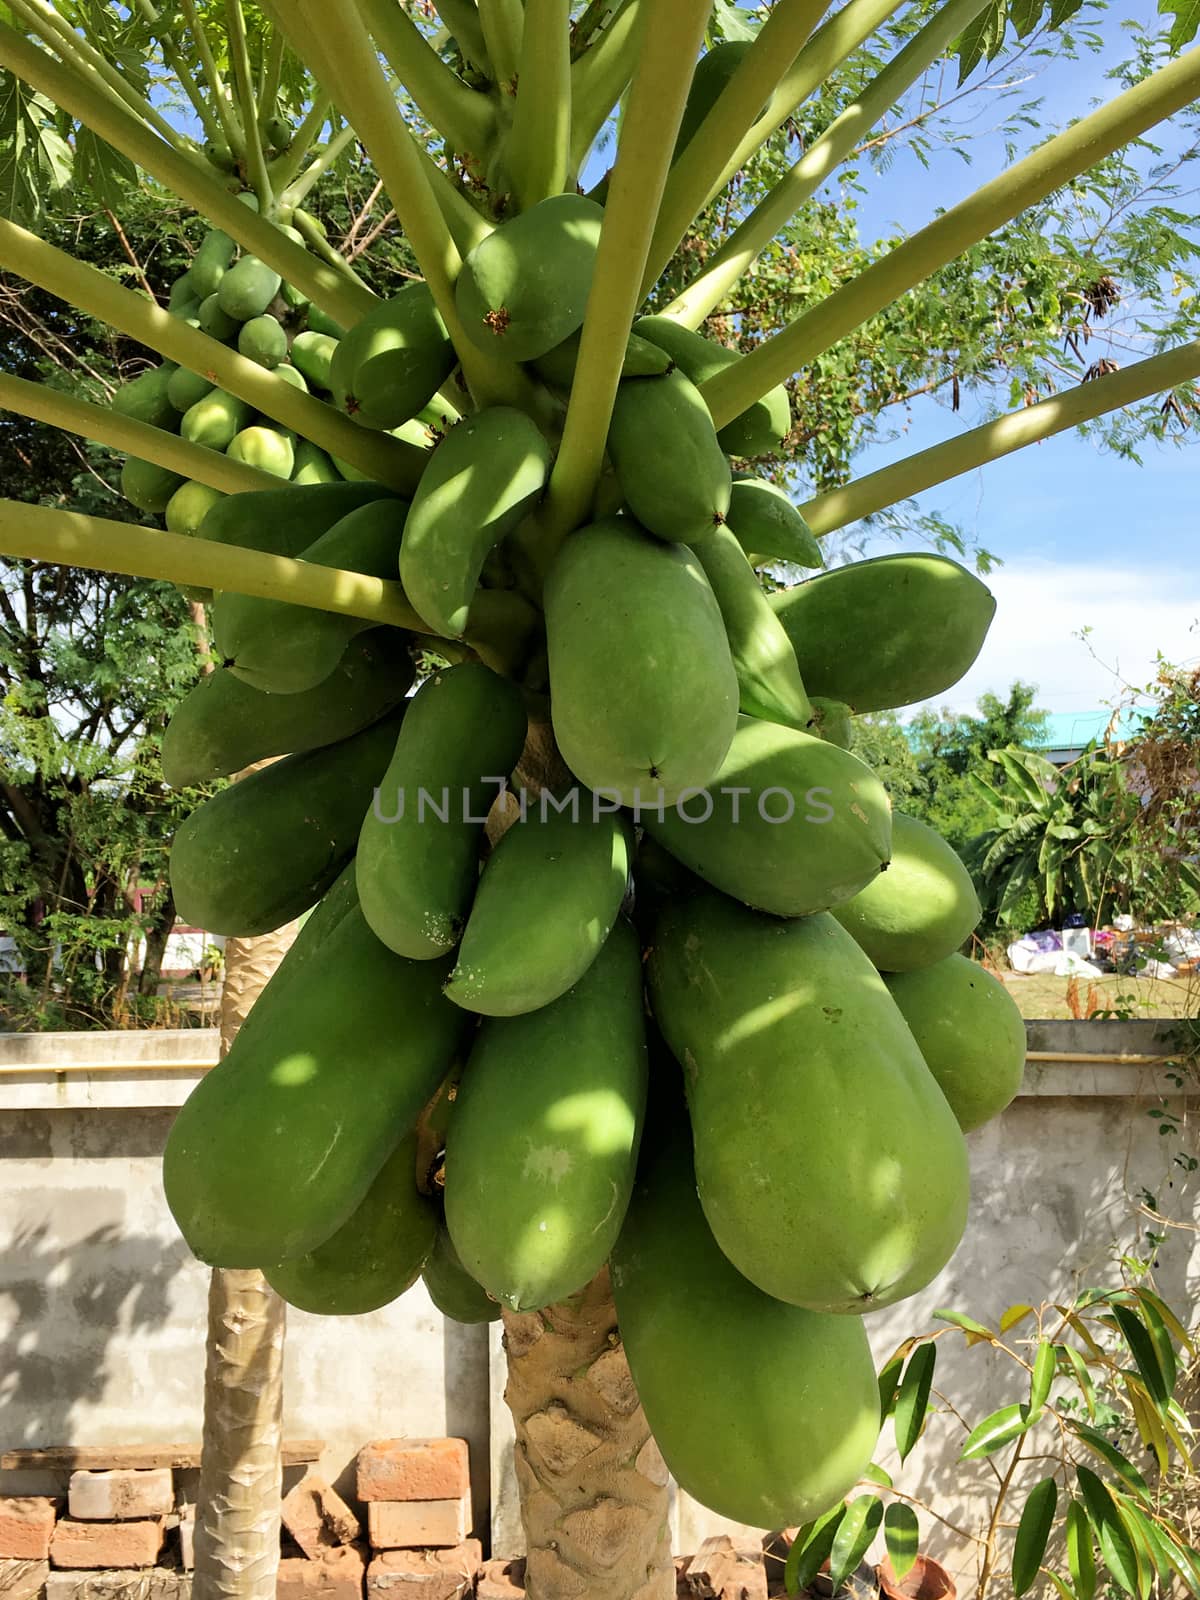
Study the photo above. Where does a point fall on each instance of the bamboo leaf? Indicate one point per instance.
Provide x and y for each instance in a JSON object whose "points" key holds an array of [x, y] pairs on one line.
{"points": [[1079, 1327], [1081, 1559], [1081, 1375], [855, 1532], [994, 1432], [889, 1384], [1112, 1457], [975, 1331], [1164, 1313], [1115, 1546], [912, 1401], [1145, 1536], [1160, 1334], [1014, 1314], [810, 1550], [1149, 1420], [877, 1474], [902, 1535], [1145, 1356], [1033, 1534], [1045, 1366]]}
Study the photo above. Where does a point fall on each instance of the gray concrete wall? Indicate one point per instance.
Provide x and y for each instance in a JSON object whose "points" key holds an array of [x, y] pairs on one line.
{"points": [[102, 1309]]}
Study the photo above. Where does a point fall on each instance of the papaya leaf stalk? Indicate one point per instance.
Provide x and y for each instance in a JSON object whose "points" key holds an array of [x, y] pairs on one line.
{"points": [[140, 439], [503, 25], [538, 153], [243, 80], [1059, 160], [601, 75], [927, 468], [288, 170], [461, 18], [723, 270], [463, 116], [218, 94], [384, 458], [271, 75]]}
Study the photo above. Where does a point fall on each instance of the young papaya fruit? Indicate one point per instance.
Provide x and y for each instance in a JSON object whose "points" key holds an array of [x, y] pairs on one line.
{"points": [[767, 524], [376, 1254], [504, 629], [790, 1450], [312, 464], [212, 261], [262, 339], [282, 648], [185, 388], [216, 420], [286, 521], [642, 360], [887, 632], [524, 288], [279, 1144], [312, 355], [921, 909], [554, 1098], [145, 399], [220, 155], [418, 850], [248, 288], [761, 429], [223, 725], [261, 852], [671, 469], [833, 722], [278, 132], [189, 505], [292, 375], [216, 322], [559, 876], [452, 1288], [713, 72], [789, 824], [483, 479], [148, 486], [321, 322], [803, 1082], [265, 448], [643, 692], [769, 682], [394, 361], [182, 293]]}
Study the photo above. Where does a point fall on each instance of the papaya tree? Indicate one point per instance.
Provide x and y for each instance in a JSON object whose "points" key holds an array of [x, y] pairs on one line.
{"points": [[617, 830]]}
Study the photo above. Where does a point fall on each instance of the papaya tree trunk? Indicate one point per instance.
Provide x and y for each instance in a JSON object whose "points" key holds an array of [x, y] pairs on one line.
{"points": [[593, 1483], [241, 1467]]}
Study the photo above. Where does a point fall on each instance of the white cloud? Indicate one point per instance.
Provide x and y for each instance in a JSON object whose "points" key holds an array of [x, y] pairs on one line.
{"points": [[1042, 608]]}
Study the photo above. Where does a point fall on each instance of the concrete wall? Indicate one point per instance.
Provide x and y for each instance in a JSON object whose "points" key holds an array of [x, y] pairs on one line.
{"points": [[102, 1309]]}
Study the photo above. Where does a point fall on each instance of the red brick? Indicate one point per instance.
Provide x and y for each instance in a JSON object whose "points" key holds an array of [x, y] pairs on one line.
{"points": [[106, 1544], [318, 1518], [501, 1580], [425, 1574], [414, 1469], [417, 1524], [121, 1495], [26, 1524], [337, 1575]]}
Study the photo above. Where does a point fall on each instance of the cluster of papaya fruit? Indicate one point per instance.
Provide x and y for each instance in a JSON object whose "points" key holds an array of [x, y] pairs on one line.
{"points": [[623, 835]]}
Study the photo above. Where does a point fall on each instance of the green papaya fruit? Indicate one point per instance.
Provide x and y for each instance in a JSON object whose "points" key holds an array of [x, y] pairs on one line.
{"points": [[215, 322], [265, 448], [278, 1145], [484, 477], [313, 465], [759, 430], [295, 299], [887, 632], [921, 909], [542, 1147], [642, 360], [312, 354], [282, 648], [287, 521], [185, 388], [452, 1288], [249, 199], [216, 420], [187, 311], [419, 846], [148, 486], [223, 725], [769, 682], [644, 695], [559, 876], [713, 72], [376, 1254], [262, 339], [248, 288], [220, 155], [189, 505], [182, 293], [789, 824], [525, 287], [394, 361], [292, 375], [145, 399], [261, 852], [767, 524], [321, 322], [833, 722], [278, 133], [212, 261], [790, 1394], [504, 629], [671, 469], [349, 472], [805, 1087]]}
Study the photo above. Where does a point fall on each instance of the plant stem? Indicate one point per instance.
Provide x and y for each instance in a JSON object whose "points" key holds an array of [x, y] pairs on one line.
{"points": [[461, 18], [213, 126], [272, 74], [503, 25], [285, 168], [756, 83], [926, 468], [467, 226], [67, 538], [185, 176], [589, 23], [212, 74], [776, 210], [464, 117], [300, 188], [243, 81], [989, 1548], [384, 458], [1058, 161], [599, 77], [674, 33], [306, 224], [135, 438], [539, 146]]}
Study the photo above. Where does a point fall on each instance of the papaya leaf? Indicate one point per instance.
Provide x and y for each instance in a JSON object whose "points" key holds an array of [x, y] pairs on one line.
{"points": [[912, 1402], [1045, 1366], [103, 173], [975, 1331], [1111, 1456], [1145, 1356], [1082, 1376], [889, 1384], [1033, 1534], [994, 1432], [1081, 1558], [810, 1550], [1115, 1544], [981, 39], [1187, 18], [855, 1532], [902, 1535], [1014, 1314], [1025, 16]]}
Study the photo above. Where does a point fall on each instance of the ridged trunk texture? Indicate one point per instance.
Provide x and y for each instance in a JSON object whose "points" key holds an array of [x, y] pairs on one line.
{"points": [[593, 1482], [237, 1516]]}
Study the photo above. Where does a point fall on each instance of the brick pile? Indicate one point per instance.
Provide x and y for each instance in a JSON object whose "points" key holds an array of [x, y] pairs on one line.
{"points": [[418, 1498]]}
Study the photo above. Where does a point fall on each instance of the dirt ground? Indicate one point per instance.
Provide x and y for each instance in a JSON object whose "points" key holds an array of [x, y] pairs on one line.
{"points": [[1042, 995]]}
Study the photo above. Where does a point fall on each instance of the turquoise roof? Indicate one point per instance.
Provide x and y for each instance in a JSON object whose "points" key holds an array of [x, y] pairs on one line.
{"points": [[1075, 730]]}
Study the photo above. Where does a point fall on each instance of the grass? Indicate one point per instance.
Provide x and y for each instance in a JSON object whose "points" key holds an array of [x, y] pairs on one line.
{"points": [[1044, 996]]}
